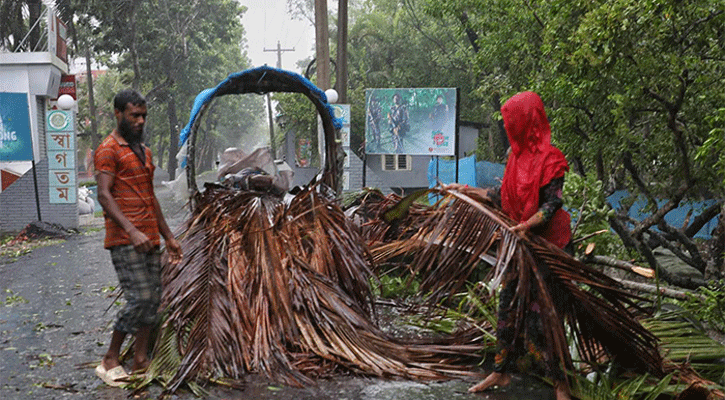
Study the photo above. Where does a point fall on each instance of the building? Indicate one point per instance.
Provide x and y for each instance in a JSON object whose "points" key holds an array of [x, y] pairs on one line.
{"points": [[399, 173], [37, 143]]}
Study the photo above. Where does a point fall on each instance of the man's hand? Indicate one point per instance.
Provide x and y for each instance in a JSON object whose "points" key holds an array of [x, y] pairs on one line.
{"points": [[140, 241], [173, 249]]}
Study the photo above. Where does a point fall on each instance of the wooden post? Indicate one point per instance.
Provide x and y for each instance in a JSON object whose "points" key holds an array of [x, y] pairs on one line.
{"points": [[322, 45], [341, 70]]}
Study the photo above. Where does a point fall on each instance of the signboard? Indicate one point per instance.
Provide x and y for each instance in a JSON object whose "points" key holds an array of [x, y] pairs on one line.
{"points": [[67, 86], [416, 121], [57, 34], [16, 143], [342, 111], [60, 140]]}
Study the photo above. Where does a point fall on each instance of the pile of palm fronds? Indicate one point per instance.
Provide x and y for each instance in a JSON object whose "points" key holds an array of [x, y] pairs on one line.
{"points": [[459, 232], [281, 289], [448, 241]]}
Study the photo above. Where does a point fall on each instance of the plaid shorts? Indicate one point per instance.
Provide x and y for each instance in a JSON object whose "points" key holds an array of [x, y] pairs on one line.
{"points": [[140, 278]]}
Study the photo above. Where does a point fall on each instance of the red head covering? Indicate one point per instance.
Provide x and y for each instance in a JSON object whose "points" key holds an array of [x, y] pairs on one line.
{"points": [[532, 164]]}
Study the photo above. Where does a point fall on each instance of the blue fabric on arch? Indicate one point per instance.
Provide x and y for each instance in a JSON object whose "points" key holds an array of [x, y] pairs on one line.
{"points": [[206, 95]]}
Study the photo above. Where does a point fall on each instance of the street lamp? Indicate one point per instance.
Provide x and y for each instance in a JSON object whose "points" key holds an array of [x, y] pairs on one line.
{"points": [[66, 102], [331, 96]]}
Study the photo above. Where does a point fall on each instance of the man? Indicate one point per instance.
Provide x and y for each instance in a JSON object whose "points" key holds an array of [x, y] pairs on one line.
{"points": [[398, 121], [374, 112], [439, 114], [134, 224]]}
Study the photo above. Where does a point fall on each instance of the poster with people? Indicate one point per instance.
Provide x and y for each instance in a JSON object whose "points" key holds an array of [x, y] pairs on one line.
{"points": [[415, 121]]}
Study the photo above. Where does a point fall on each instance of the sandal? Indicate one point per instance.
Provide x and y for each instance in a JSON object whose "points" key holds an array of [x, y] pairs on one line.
{"points": [[115, 376]]}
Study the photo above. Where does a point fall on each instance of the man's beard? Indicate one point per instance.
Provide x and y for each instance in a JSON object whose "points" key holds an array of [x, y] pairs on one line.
{"points": [[127, 132]]}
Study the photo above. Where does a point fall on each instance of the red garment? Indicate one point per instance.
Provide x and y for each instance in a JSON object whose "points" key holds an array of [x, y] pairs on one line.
{"points": [[532, 164], [132, 189]]}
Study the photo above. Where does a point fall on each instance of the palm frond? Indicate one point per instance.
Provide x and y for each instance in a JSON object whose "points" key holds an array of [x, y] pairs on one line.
{"points": [[458, 232], [281, 289], [642, 387]]}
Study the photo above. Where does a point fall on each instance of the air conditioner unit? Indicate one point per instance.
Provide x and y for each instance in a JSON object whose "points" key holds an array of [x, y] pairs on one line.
{"points": [[396, 162]]}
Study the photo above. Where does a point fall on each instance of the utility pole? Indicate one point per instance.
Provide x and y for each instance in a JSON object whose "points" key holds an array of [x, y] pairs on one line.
{"points": [[279, 51], [322, 45], [341, 70]]}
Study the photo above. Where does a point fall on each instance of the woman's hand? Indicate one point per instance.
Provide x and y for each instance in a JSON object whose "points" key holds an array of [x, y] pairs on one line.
{"points": [[521, 229], [476, 193], [454, 186], [524, 227]]}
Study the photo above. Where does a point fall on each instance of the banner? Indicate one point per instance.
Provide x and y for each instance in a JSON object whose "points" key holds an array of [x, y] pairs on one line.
{"points": [[16, 143], [419, 121], [60, 140]]}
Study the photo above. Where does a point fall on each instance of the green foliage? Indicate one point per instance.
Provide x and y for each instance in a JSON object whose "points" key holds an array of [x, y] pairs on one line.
{"points": [[608, 387], [708, 304], [390, 287], [299, 115], [396, 44], [12, 298], [105, 86], [584, 199], [170, 51], [712, 152]]}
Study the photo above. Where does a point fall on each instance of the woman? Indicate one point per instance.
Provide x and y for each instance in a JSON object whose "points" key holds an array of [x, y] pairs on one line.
{"points": [[531, 195]]}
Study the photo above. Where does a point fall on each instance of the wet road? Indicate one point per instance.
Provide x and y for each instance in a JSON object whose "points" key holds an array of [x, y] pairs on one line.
{"points": [[56, 319]]}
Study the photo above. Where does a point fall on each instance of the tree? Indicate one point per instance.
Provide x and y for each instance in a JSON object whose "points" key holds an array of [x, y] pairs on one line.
{"points": [[173, 50], [400, 44], [614, 109], [22, 18]]}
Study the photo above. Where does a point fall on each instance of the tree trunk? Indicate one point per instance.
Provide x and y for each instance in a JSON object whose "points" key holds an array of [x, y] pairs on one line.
{"points": [[716, 268], [341, 70], [134, 52], [34, 12], [470, 33], [496, 103], [322, 45], [95, 137], [174, 138]]}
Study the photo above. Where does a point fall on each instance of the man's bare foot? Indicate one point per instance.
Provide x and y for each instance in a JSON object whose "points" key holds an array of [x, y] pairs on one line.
{"points": [[493, 379], [140, 366], [110, 363], [562, 391]]}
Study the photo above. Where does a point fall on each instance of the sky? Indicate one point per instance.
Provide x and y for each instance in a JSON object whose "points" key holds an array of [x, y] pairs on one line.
{"points": [[265, 23]]}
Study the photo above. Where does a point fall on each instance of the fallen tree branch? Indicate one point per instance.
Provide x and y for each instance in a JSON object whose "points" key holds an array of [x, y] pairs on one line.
{"points": [[664, 291], [589, 236], [619, 264]]}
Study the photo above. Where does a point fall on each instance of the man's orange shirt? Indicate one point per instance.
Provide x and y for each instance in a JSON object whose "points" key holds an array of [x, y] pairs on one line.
{"points": [[132, 189]]}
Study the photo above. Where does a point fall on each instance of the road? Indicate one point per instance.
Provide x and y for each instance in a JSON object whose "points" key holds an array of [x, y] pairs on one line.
{"points": [[56, 321]]}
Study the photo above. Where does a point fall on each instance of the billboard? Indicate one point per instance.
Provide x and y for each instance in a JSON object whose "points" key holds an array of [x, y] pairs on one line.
{"points": [[16, 142], [416, 121]]}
